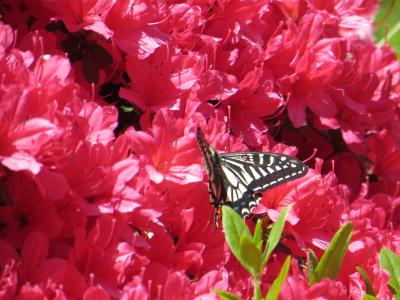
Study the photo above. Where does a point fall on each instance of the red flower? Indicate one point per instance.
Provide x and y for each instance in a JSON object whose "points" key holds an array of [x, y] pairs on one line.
{"points": [[249, 104], [379, 279], [27, 212], [27, 115], [213, 280], [385, 157], [316, 214], [101, 184], [349, 18], [46, 273], [348, 170], [78, 15], [163, 78], [95, 251], [177, 286], [134, 27], [91, 210], [167, 150], [96, 292], [297, 287], [135, 290]]}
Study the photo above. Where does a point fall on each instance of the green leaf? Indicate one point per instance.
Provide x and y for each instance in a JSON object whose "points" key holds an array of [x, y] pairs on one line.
{"points": [[331, 261], [275, 234], [391, 262], [368, 284], [234, 228], [312, 264], [250, 256], [127, 109], [369, 297], [276, 286], [387, 25], [224, 295], [257, 237]]}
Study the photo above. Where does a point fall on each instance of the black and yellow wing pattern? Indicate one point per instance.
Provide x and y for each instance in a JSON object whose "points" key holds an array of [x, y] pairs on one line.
{"points": [[238, 179]]}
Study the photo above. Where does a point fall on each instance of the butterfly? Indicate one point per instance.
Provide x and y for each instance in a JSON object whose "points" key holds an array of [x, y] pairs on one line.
{"points": [[238, 179]]}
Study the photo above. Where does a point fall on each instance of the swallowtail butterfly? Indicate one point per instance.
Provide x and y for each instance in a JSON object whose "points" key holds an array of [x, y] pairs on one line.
{"points": [[238, 179]]}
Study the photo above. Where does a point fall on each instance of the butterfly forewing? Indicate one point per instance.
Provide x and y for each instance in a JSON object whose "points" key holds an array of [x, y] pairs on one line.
{"points": [[211, 159], [259, 171], [237, 179]]}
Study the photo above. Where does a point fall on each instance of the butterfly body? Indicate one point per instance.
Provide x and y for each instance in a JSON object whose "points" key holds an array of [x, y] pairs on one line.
{"points": [[238, 179]]}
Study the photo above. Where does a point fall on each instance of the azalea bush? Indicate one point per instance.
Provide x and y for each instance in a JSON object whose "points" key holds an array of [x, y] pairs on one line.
{"points": [[102, 188]]}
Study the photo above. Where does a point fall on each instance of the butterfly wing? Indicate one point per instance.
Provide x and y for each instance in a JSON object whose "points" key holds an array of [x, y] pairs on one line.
{"points": [[247, 174], [237, 179], [216, 186]]}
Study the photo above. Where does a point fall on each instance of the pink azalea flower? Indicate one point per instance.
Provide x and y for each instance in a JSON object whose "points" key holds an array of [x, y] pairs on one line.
{"points": [[327, 289], [303, 72], [95, 251], [48, 274], [102, 179], [297, 287], [364, 102], [135, 290], [177, 286], [379, 279], [79, 15], [198, 247], [385, 159], [317, 210], [348, 171], [29, 211], [92, 210], [349, 18], [167, 151], [134, 27], [183, 23], [213, 280], [163, 78], [96, 292], [9, 278], [249, 104], [28, 118], [28, 291], [19, 16], [370, 221]]}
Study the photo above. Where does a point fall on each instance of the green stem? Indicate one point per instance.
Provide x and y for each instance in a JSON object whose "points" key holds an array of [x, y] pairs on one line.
{"points": [[257, 288]]}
